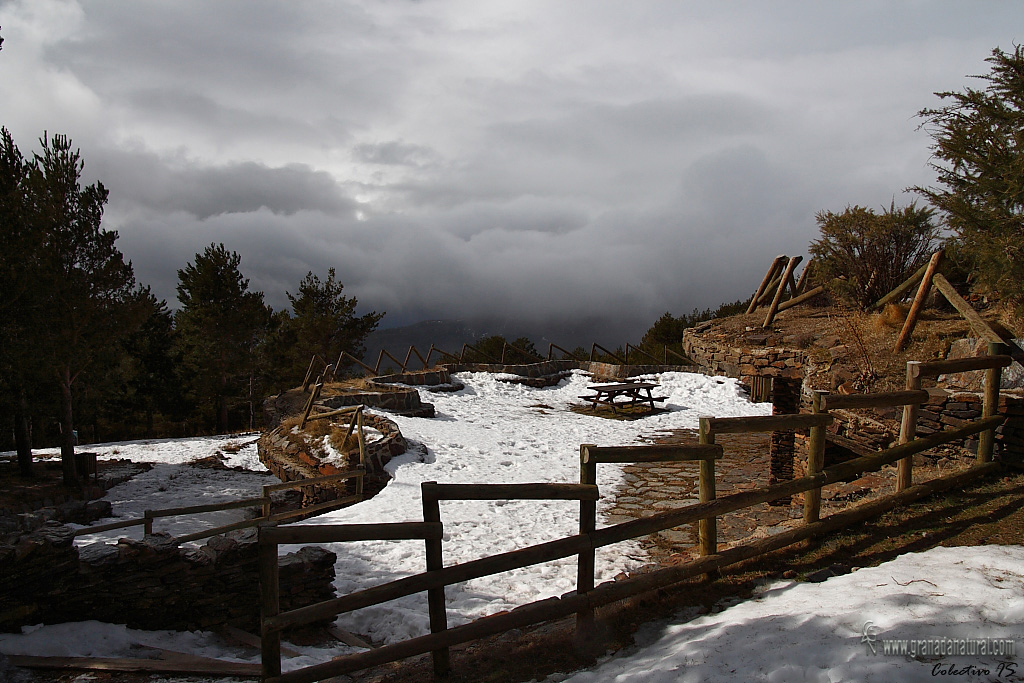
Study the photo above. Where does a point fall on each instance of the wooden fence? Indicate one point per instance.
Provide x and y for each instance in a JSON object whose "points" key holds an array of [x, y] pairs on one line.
{"points": [[587, 596], [264, 501]]}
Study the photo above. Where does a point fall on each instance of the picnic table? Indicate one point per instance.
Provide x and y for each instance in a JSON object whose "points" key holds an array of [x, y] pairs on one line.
{"points": [[632, 393]]}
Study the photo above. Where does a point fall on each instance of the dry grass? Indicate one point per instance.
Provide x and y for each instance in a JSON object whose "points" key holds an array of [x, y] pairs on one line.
{"points": [[893, 316]]}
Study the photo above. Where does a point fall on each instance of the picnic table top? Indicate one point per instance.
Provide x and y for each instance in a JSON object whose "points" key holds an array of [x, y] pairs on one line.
{"points": [[621, 386]]}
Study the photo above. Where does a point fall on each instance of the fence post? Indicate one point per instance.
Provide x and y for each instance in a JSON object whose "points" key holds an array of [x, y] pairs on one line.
{"points": [[707, 528], [435, 596], [270, 640], [585, 561], [266, 501], [815, 462], [908, 428], [362, 452], [993, 377], [147, 528]]}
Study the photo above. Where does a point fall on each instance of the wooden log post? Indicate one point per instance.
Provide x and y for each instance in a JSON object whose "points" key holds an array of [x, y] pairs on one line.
{"points": [[707, 529], [804, 280], [435, 596], [908, 427], [915, 308], [903, 288], [270, 606], [362, 453], [776, 264], [771, 289], [309, 374], [774, 308], [990, 406], [815, 462], [147, 528], [585, 629], [313, 396]]}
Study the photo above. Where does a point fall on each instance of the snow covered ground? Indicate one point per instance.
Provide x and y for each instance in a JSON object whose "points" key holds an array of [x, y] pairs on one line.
{"points": [[796, 632], [492, 432]]}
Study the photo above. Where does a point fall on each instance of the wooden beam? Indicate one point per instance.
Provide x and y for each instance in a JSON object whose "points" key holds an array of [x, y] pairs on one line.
{"points": [[776, 264], [934, 368], [177, 665], [979, 325], [882, 400], [768, 423], [529, 491], [774, 308], [915, 308], [797, 300], [656, 453], [897, 294]]}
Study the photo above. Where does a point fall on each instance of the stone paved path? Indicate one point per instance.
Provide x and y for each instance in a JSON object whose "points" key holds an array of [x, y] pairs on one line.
{"points": [[656, 487]]}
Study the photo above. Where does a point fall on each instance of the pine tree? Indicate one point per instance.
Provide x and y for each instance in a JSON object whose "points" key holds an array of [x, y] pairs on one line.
{"points": [[324, 322], [979, 158], [83, 300], [220, 327]]}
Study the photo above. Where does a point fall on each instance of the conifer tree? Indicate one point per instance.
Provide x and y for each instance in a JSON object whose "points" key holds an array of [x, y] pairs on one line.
{"points": [[979, 158], [220, 326]]}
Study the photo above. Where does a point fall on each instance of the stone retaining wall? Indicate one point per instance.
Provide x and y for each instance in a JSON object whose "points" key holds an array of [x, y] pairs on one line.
{"points": [[149, 584], [743, 362], [288, 461], [401, 400]]}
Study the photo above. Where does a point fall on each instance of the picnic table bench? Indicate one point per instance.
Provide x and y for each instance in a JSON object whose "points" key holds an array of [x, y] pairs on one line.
{"points": [[634, 393]]}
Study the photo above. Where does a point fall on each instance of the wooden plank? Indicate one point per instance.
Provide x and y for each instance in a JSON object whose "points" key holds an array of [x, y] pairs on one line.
{"points": [[456, 573], [211, 507], [803, 281], [934, 368], [776, 264], [768, 423], [109, 527], [879, 400], [348, 638], [797, 300], [295, 534], [529, 491], [299, 483], [901, 289], [655, 453], [333, 413], [774, 308], [237, 635], [319, 507], [915, 308], [244, 524], [178, 665], [979, 325]]}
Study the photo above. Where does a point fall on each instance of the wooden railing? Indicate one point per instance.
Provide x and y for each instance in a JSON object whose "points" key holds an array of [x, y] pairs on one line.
{"points": [[263, 502], [587, 596]]}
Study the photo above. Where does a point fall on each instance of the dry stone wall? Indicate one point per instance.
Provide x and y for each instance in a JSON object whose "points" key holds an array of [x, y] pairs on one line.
{"points": [[150, 583]]}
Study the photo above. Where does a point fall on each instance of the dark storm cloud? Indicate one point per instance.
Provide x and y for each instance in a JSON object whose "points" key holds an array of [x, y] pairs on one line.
{"points": [[552, 163], [170, 186]]}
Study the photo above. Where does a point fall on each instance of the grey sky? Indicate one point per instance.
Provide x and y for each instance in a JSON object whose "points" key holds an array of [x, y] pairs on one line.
{"points": [[549, 162]]}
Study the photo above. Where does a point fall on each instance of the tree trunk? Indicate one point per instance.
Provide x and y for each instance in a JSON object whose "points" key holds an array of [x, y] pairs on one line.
{"points": [[67, 448], [22, 433]]}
